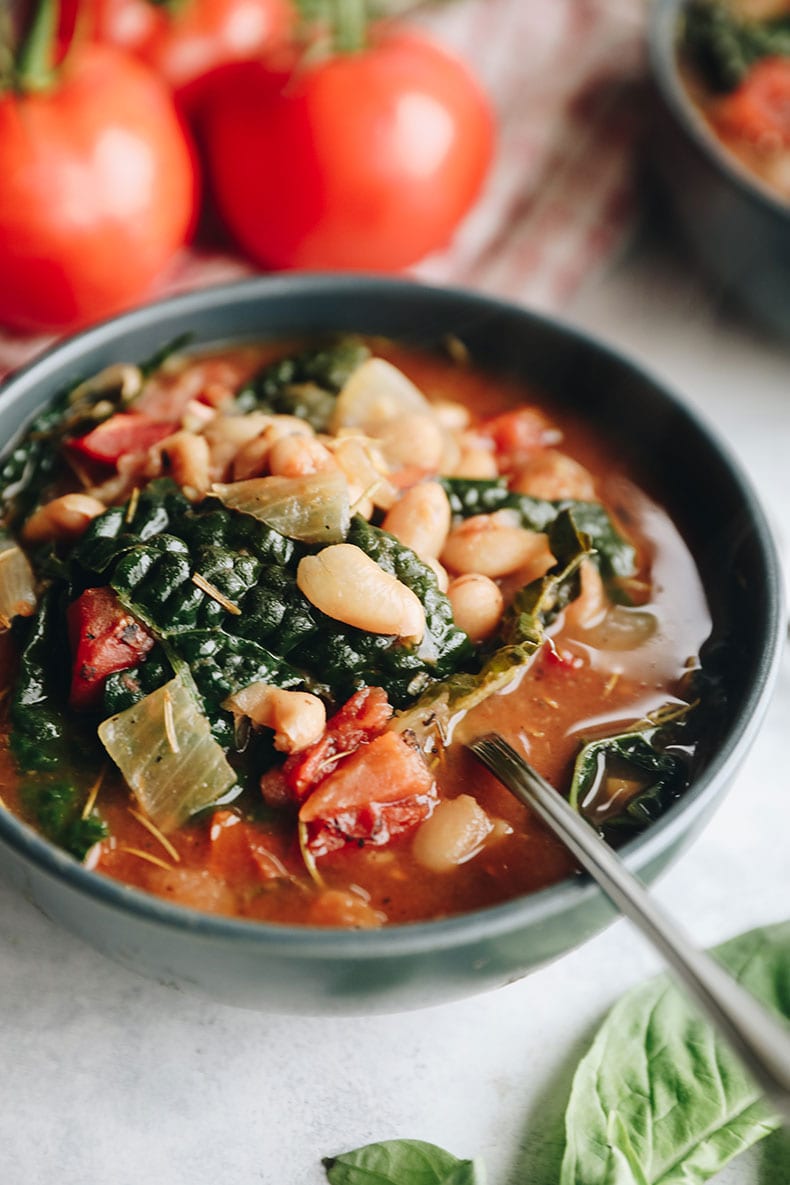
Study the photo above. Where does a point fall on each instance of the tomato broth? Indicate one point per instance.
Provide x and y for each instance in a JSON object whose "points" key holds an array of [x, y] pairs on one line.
{"points": [[388, 819]]}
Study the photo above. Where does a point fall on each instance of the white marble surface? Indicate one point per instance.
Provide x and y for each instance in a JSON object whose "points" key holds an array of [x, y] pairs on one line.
{"points": [[106, 1077]]}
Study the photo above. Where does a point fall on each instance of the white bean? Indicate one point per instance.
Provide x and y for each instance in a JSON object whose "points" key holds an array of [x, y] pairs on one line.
{"points": [[413, 439], [346, 584], [455, 833], [298, 456], [487, 544], [66, 517], [554, 475], [475, 461], [189, 459], [592, 602], [442, 579], [297, 717], [228, 434], [451, 415], [477, 604], [421, 519]]}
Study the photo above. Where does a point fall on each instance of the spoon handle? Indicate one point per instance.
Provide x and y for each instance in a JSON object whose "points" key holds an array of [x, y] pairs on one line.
{"points": [[761, 1038]]}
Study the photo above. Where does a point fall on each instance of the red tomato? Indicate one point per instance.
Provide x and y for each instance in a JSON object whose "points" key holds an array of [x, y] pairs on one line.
{"points": [[97, 191], [104, 638], [759, 110], [361, 161], [518, 435], [380, 791], [188, 42], [361, 718], [120, 435]]}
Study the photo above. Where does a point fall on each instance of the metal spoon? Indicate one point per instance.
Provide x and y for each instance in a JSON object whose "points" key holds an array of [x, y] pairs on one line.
{"points": [[761, 1038]]}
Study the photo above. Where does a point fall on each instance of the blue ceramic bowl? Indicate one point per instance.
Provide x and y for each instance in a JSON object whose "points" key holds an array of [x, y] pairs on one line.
{"points": [[290, 969], [738, 230]]}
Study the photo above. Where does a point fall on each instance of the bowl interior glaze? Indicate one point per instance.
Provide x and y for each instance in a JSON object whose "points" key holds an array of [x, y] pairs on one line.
{"points": [[290, 969]]}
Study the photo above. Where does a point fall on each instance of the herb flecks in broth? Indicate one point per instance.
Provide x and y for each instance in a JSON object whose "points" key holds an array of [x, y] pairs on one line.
{"points": [[285, 748]]}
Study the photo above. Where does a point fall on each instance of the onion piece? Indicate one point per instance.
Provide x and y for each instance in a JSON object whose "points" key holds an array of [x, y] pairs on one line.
{"points": [[375, 394], [164, 748], [17, 585], [312, 509]]}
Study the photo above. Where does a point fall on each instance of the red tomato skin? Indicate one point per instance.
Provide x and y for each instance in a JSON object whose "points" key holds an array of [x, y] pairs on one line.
{"points": [[98, 192], [104, 638], [188, 44], [759, 110], [365, 161], [121, 434]]}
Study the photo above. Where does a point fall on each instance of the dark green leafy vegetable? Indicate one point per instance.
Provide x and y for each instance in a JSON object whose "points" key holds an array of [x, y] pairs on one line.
{"points": [[347, 658], [63, 756], [124, 688], [56, 806], [221, 664], [165, 353], [39, 733], [615, 554], [724, 47], [152, 557], [36, 461], [659, 1099], [625, 782], [304, 384], [402, 1162]]}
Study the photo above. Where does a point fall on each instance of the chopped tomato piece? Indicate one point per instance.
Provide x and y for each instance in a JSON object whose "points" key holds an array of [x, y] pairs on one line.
{"points": [[561, 657], [759, 110], [361, 718], [104, 638], [124, 433], [239, 850], [518, 435], [384, 789]]}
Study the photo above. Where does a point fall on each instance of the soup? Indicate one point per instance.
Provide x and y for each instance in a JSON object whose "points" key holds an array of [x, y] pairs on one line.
{"points": [[736, 66], [258, 599]]}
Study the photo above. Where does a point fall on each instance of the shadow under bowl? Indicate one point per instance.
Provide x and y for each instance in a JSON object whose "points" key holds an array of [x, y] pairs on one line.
{"points": [[318, 971], [737, 229]]}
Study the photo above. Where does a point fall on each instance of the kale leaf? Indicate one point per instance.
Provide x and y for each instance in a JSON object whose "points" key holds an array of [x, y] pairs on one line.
{"points": [[304, 384], [36, 461], [724, 47], [614, 554], [521, 635], [347, 658], [39, 730], [258, 625], [646, 765], [56, 806]]}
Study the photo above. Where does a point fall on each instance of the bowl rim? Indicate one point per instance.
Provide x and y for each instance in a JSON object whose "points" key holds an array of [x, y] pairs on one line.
{"points": [[662, 47], [538, 908]]}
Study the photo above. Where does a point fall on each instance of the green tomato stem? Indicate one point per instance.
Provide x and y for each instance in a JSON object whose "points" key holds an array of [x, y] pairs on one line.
{"points": [[35, 60], [349, 20]]}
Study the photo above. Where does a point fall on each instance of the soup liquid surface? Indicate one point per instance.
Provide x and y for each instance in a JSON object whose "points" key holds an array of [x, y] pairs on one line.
{"points": [[601, 683]]}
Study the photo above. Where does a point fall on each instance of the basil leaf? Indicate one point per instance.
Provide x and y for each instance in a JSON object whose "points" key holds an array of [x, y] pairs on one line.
{"points": [[659, 1099], [402, 1162]]}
